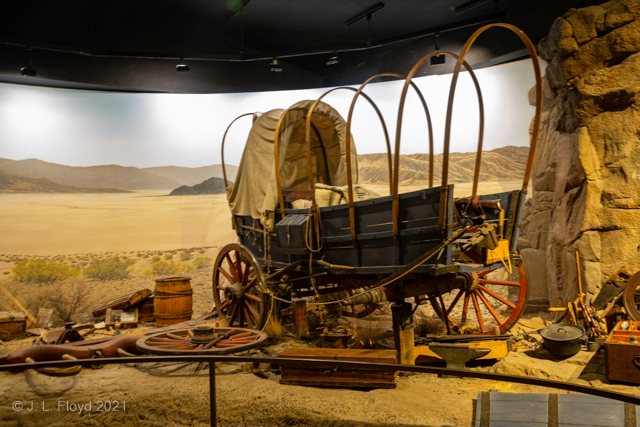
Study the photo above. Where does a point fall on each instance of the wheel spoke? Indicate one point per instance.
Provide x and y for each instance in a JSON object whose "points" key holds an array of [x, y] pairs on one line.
{"points": [[251, 284], [226, 275], [245, 276], [232, 268], [498, 297], [253, 297], [241, 312], [484, 273], [478, 314], [234, 313], [498, 282], [490, 308], [465, 308], [454, 302], [248, 316], [238, 266], [253, 311]]}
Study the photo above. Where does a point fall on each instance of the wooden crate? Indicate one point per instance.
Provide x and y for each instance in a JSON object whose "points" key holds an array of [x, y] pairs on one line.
{"points": [[13, 324], [358, 378], [622, 358]]}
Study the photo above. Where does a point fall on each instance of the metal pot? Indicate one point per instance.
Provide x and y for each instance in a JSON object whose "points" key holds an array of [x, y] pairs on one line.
{"points": [[562, 339]]}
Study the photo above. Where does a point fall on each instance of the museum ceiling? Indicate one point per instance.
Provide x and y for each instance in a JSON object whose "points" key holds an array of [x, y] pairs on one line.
{"points": [[230, 45]]}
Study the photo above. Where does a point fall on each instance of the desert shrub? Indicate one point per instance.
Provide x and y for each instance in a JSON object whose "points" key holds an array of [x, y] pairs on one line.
{"points": [[186, 255], [114, 268], [167, 267], [42, 271], [201, 262], [69, 301], [155, 259]]}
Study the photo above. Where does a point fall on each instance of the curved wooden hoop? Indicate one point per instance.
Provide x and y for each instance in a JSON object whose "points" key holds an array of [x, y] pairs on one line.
{"points": [[308, 138], [536, 124], [224, 137], [403, 97], [389, 159]]}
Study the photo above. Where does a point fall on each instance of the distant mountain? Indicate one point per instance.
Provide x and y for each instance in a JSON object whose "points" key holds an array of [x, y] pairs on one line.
{"points": [[210, 186], [193, 176], [112, 176], [502, 164], [10, 183]]}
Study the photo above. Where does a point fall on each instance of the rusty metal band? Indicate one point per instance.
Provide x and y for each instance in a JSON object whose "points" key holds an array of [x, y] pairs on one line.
{"points": [[172, 294], [403, 97], [172, 315], [389, 159], [536, 124], [338, 364]]}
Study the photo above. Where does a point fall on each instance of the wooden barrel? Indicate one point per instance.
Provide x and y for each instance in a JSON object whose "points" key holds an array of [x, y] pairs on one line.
{"points": [[173, 300]]}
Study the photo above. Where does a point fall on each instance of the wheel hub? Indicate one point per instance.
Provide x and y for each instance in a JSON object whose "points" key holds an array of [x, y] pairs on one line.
{"points": [[472, 281], [234, 292]]}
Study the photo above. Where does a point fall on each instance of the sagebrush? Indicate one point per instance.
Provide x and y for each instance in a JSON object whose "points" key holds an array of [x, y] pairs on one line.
{"points": [[42, 271], [167, 267], [114, 268]]}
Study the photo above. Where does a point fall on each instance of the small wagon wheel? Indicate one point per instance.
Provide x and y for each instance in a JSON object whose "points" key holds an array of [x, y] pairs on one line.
{"points": [[492, 305], [237, 280], [209, 341], [631, 297]]}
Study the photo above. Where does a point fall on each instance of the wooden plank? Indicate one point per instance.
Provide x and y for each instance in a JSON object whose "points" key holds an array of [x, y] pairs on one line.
{"points": [[577, 409], [563, 410], [121, 302], [354, 355], [339, 384], [44, 317]]}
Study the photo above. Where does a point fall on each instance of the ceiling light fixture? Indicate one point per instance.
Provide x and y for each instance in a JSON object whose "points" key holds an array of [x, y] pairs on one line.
{"points": [[28, 71], [182, 67], [366, 14], [438, 59], [275, 67], [468, 5], [333, 60]]}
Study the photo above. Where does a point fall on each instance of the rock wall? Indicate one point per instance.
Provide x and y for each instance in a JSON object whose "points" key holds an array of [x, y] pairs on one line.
{"points": [[586, 175]]}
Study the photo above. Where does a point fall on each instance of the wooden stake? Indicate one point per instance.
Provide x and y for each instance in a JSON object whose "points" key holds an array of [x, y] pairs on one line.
{"points": [[32, 320]]}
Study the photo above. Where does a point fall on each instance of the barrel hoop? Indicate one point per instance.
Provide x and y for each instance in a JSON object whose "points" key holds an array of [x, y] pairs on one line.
{"points": [[172, 294], [173, 315]]}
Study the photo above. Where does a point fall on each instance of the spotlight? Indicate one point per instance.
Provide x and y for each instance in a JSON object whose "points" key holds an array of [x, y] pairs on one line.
{"points": [[28, 71], [438, 59], [333, 60], [468, 5], [182, 67], [275, 67]]}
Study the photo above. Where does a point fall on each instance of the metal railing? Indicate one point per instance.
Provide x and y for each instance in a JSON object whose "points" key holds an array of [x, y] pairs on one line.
{"points": [[335, 364]]}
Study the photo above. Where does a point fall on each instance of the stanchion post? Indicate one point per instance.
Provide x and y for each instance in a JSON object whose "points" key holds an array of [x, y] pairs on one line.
{"points": [[212, 393]]}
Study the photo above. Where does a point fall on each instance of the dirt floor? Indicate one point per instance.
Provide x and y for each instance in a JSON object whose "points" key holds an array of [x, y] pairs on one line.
{"points": [[178, 394]]}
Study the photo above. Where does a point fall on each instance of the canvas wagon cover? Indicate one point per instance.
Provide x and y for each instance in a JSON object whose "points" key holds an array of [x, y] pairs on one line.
{"points": [[255, 192]]}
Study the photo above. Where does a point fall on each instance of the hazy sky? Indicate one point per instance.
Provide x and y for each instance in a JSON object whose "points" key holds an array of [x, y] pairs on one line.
{"points": [[85, 128]]}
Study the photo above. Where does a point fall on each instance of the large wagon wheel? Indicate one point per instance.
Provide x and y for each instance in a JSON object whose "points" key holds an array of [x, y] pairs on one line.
{"points": [[631, 297], [202, 340], [237, 280], [492, 306]]}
